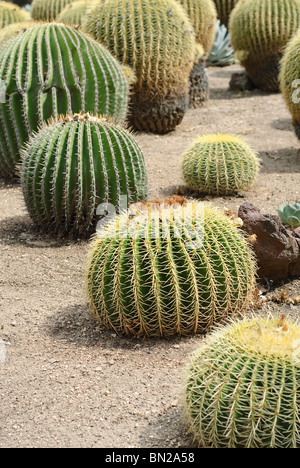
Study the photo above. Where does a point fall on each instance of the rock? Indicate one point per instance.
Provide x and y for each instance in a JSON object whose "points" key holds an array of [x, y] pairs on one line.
{"points": [[277, 249], [240, 81]]}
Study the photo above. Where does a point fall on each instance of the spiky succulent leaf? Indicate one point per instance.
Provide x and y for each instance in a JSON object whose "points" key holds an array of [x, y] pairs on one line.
{"points": [[11, 13], [221, 53]]}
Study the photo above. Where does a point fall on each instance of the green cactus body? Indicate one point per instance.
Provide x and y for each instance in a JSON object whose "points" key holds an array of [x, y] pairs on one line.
{"points": [[242, 386], [290, 214], [47, 10], [50, 70], [260, 31], [75, 164], [203, 16], [224, 9], [219, 164], [73, 14], [169, 270], [290, 80], [156, 39], [11, 13]]}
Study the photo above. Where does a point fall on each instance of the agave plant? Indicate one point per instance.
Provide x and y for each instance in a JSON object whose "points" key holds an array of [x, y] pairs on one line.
{"points": [[221, 53], [290, 214]]}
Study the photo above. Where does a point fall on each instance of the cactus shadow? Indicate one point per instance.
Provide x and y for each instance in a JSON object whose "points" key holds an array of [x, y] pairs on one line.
{"points": [[76, 325], [20, 230], [283, 160], [284, 124], [167, 430]]}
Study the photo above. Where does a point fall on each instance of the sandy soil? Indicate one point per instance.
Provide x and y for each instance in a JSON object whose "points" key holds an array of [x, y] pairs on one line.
{"points": [[66, 382]]}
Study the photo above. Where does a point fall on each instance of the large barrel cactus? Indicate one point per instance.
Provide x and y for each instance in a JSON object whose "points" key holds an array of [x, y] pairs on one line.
{"points": [[50, 70], [290, 80], [242, 388], [11, 13], [75, 164], [169, 270], [157, 40], [12, 30], [47, 10], [224, 9], [260, 31], [219, 164]]}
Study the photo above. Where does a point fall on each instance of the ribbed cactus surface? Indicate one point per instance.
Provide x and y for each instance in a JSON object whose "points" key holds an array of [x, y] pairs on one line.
{"points": [[157, 40], [49, 70], [12, 30], [260, 31], [203, 16], [290, 80], [242, 386], [47, 10], [224, 8], [169, 270], [11, 13], [73, 14], [219, 164], [73, 165]]}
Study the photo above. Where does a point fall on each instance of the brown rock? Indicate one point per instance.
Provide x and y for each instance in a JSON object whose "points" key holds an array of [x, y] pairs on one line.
{"points": [[277, 249]]}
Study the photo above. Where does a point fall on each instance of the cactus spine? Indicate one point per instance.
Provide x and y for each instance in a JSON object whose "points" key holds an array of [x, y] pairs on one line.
{"points": [[219, 164], [157, 40], [47, 10], [169, 270], [260, 30], [289, 79], [73, 165], [50, 70], [11, 13], [242, 386]]}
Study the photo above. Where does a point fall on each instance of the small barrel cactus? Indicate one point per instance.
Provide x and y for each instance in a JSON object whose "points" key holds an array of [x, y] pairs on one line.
{"points": [[224, 9], [170, 269], [50, 70], [242, 386], [73, 165], [11, 13], [260, 31], [290, 80], [47, 10], [73, 13], [289, 214], [157, 40], [219, 164]]}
